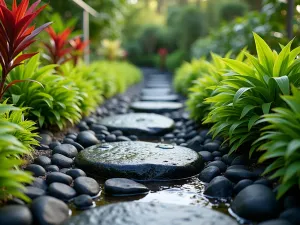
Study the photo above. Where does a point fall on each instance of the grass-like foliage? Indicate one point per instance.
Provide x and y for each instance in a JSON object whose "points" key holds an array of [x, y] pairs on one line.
{"points": [[16, 35], [281, 142], [55, 103], [250, 91], [205, 85], [188, 73], [16, 136]]}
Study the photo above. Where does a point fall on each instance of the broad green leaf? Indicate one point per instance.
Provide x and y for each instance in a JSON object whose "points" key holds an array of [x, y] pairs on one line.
{"points": [[266, 107], [282, 61], [246, 110], [239, 67], [293, 146], [284, 84], [239, 93]]}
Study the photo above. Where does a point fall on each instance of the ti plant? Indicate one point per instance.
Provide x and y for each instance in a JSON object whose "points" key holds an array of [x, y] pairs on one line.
{"points": [[280, 141], [16, 35], [250, 91], [78, 46], [58, 48]]}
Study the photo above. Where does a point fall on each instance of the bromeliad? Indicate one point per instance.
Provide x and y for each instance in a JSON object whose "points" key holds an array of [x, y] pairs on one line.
{"points": [[16, 35]]}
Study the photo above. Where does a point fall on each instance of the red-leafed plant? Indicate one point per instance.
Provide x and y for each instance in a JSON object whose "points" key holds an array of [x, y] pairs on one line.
{"points": [[78, 46], [16, 35], [59, 50]]}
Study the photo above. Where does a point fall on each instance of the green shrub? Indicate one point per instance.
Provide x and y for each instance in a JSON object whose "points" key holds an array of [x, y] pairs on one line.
{"points": [[281, 142], [250, 91], [89, 87], [175, 59], [15, 137], [53, 101], [204, 87], [188, 73], [231, 10]]}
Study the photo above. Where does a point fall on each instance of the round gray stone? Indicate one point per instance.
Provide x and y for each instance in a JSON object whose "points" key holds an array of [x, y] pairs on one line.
{"points": [[156, 91], [138, 213], [140, 160], [123, 186], [140, 124], [156, 107], [157, 98]]}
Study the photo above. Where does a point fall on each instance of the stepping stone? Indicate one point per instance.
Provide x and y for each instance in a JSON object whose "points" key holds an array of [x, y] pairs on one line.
{"points": [[140, 161], [140, 213], [156, 107], [156, 91], [124, 187], [158, 85], [140, 124], [157, 98]]}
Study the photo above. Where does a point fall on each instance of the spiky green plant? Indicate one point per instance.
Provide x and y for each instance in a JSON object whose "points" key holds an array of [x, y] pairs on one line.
{"points": [[280, 142], [186, 75], [54, 103], [15, 137], [250, 91], [89, 87], [205, 85]]}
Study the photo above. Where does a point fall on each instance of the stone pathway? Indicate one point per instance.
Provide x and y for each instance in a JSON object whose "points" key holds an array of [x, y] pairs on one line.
{"points": [[121, 155]]}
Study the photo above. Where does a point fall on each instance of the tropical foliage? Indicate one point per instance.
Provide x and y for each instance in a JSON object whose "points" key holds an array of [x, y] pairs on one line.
{"points": [[14, 131], [250, 91], [280, 142]]}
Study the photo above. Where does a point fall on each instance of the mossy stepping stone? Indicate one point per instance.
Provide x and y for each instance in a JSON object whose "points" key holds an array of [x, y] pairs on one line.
{"points": [[140, 124], [156, 107], [140, 213], [140, 161]]}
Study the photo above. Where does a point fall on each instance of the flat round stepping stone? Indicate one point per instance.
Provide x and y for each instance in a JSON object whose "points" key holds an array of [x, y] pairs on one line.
{"points": [[163, 98], [156, 91], [156, 107], [139, 213], [140, 161], [124, 187], [158, 85], [140, 124]]}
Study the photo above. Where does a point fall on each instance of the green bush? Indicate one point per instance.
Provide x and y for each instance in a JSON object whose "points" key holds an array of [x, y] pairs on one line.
{"points": [[205, 85], [15, 137], [186, 75], [231, 10], [280, 142], [250, 91], [52, 98], [175, 59]]}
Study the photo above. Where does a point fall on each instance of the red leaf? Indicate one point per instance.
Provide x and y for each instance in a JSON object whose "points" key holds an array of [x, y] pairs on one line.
{"points": [[2, 2], [29, 38], [33, 7], [19, 81], [23, 57], [22, 47], [8, 22], [22, 9]]}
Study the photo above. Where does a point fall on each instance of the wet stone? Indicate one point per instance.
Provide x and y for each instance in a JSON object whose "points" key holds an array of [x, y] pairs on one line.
{"points": [[241, 185], [139, 213], [156, 107], [235, 175], [42, 161], [156, 91], [275, 222], [158, 98], [48, 210], [87, 139], [206, 156], [15, 215], [34, 192], [140, 124], [39, 183], [74, 173], [61, 160], [66, 150], [219, 187], [209, 173], [255, 202], [86, 185], [37, 170], [83, 201], [140, 161], [59, 177], [123, 186], [61, 191]]}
